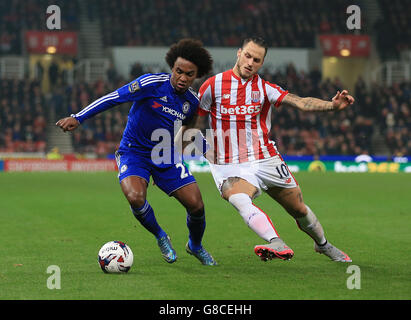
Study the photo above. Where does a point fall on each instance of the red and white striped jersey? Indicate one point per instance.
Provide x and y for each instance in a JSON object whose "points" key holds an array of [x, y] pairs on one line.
{"points": [[240, 116]]}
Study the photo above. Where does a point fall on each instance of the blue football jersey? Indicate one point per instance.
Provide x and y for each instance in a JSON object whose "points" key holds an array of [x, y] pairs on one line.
{"points": [[156, 108]]}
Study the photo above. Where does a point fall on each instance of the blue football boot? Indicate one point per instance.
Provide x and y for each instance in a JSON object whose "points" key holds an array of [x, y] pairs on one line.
{"points": [[202, 255], [167, 251]]}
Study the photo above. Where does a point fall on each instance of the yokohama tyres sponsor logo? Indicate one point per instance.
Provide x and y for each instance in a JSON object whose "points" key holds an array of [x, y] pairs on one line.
{"points": [[173, 112], [240, 110]]}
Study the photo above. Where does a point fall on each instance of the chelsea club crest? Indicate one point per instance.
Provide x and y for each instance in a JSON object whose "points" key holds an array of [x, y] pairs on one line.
{"points": [[186, 107]]}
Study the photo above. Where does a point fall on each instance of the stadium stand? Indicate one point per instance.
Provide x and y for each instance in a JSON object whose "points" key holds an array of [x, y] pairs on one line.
{"points": [[346, 133], [22, 118], [20, 15], [160, 22], [101, 134], [379, 109], [393, 28]]}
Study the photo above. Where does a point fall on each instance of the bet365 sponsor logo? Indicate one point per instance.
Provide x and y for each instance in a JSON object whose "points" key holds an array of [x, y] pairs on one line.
{"points": [[240, 110]]}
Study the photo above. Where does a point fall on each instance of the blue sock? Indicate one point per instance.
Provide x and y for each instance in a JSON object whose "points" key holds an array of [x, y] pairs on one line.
{"points": [[196, 225], [145, 215]]}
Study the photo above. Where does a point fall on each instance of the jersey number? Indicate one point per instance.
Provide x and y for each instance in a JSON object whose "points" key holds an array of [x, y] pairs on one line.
{"points": [[183, 173], [282, 171]]}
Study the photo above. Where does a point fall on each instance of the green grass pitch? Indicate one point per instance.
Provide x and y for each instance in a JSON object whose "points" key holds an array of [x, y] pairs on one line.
{"points": [[62, 219]]}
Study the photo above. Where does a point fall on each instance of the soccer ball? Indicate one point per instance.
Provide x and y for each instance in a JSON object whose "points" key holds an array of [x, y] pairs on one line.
{"points": [[115, 257]]}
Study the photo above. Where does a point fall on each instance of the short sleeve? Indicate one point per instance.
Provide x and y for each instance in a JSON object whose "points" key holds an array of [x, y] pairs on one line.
{"points": [[275, 93], [206, 98]]}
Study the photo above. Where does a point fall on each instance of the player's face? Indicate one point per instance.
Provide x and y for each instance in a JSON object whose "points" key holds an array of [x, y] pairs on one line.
{"points": [[250, 59], [183, 74]]}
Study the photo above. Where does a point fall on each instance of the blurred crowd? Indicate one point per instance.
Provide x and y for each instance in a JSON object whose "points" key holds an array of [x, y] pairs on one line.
{"points": [[218, 23], [23, 120], [17, 16], [350, 132], [393, 29], [284, 23], [221, 23], [377, 110], [393, 115], [24, 109], [101, 134]]}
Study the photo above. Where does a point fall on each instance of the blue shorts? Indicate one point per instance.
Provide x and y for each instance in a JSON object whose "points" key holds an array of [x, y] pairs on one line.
{"points": [[168, 178]]}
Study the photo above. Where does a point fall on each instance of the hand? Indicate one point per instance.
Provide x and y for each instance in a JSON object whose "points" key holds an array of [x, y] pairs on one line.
{"points": [[342, 100], [68, 124]]}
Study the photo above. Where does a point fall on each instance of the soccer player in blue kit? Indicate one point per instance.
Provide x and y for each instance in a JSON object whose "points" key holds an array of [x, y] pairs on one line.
{"points": [[159, 101]]}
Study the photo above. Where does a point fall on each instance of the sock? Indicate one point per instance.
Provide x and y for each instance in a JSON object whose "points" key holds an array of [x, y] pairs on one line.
{"points": [[253, 216], [310, 225], [196, 225], [145, 215]]}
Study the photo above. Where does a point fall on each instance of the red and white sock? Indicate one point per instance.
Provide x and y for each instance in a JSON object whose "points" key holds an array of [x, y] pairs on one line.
{"points": [[253, 216]]}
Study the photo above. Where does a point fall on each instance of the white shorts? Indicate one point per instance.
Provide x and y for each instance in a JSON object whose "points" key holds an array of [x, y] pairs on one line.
{"points": [[263, 174]]}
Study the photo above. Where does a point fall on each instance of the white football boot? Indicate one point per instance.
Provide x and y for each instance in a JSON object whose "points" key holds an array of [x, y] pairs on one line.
{"points": [[332, 252]]}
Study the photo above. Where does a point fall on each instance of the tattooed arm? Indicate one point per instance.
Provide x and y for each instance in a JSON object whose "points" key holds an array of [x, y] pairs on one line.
{"points": [[340, 101]]}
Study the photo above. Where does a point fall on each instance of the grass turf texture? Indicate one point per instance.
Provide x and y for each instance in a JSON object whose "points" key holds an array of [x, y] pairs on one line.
{"points": [[64, 218]]}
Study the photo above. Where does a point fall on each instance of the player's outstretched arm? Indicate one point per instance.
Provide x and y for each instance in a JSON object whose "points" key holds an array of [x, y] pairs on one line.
{"points": [[68, 124], [340, 101], [126, 93]]}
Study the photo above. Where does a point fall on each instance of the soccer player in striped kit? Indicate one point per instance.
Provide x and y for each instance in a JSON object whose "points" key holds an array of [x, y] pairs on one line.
{"points": [[160, 101], [239, 105]]}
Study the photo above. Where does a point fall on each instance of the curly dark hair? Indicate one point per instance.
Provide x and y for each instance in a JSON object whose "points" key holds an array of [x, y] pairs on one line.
{"points": [[193, 51]]}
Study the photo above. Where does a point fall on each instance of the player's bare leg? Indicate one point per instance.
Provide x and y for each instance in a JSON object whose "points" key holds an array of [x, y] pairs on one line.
{"points": [[292, 201], [234, 185], [135, 190], [240, 193], [190, 197]]}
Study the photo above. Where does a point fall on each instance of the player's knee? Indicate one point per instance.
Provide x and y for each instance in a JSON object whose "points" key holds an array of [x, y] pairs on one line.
{"points": [[193, 202], [235, 185], [136, 198], [195, 206], [198, 213], [298, 211], [227, 186]]}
